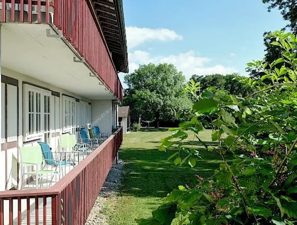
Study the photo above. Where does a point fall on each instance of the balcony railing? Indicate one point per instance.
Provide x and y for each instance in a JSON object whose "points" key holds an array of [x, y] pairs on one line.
{"points": [[77, 22], [70, 200]]}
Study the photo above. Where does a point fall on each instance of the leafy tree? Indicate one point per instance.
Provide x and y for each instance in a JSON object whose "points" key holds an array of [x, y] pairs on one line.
{"points": [[272, 53], [156, 92], [288, 10], [230, 83], [256, 139]]}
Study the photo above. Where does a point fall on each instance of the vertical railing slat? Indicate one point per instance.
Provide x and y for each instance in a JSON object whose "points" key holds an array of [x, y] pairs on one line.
{"points": [[12, 10], [29, 11], [3, 11], [10, 202], [44, 210], [55, 210], [39, 11], [22, 11], [19, 211], [1, 211], [47, 12], [36, 210], [28, 210]]}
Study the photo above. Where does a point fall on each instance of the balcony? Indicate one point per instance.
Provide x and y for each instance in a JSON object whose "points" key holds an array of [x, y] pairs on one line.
{"points": [[70, 200], [77, 25]]}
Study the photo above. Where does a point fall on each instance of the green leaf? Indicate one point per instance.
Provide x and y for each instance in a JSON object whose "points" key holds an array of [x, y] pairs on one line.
{"points": [[215, 135], [192, 162], [250, 170], [208, 197], [260, 211], [227, 130], [224, 178], [182, 188], [290, 179], [278, 204], [292, 164], [175, 195], [292, 190], [278, 222], [205, 105], [277, 127], [177, 161], [173, 155], [227, 117], [247, 110], [180, 134], [291, 136], [229, 140], [165, 213]]}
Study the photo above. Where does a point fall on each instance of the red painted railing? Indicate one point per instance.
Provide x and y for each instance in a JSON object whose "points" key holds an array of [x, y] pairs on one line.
{"points": [[76, 20], [70, 200]]}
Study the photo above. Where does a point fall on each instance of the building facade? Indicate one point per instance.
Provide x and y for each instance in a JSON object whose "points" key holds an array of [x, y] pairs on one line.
{"points": [[59, 73]]}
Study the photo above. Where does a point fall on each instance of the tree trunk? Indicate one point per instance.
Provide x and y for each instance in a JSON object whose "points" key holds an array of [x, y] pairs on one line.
{"points": [[157, 120]]}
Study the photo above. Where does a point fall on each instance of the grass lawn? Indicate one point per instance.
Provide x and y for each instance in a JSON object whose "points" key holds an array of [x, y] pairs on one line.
{"points": [[149, 176]]}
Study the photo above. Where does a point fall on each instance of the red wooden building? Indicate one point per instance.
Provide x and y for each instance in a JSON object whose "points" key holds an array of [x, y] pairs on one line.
{"points": [[60, 61]]}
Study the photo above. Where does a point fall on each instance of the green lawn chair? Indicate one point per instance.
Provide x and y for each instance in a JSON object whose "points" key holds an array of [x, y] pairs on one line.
{"points": [[32, 157], [68, 144]]}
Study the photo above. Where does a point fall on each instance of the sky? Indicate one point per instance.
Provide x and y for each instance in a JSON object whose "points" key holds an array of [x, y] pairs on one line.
{"points": [[198, 36]]}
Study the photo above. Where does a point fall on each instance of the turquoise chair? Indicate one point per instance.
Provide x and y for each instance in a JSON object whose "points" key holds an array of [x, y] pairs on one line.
{"points": [[97, 133], [93, 142], [32, 157], [49, 158]]}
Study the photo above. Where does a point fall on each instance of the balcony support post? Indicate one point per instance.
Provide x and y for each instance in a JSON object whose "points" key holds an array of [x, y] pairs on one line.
{"points": [[0, 77]]}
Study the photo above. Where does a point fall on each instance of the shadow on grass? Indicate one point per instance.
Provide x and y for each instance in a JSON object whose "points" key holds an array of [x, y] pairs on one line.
{"points": [[151, 129], [148, 173], [192, 143]]}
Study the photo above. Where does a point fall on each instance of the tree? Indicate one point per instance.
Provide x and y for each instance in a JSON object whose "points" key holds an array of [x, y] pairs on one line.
{"points": [[255, 136], [288, 10], [156, 92], [231, 83]]}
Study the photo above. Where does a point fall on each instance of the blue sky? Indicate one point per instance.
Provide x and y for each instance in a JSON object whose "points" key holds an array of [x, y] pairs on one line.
{"points": [[198, 36]]}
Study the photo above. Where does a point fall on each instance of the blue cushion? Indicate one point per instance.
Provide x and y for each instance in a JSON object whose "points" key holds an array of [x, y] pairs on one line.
{"points": [[47, 153], [84, 136], [96, 130]]}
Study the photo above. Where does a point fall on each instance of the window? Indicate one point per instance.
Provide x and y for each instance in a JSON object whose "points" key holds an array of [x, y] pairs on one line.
{"points": [[36, 112], [69, 114]]}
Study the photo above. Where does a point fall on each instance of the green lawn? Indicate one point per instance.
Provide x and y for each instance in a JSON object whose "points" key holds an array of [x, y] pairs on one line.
{"points": [[149, 176]]}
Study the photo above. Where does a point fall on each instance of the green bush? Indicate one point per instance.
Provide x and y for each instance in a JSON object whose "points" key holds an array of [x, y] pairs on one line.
{"points": [[136, 127]]}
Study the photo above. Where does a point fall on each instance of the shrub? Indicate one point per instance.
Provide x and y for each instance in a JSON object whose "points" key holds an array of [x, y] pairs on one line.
{"points": [[136, 127]]}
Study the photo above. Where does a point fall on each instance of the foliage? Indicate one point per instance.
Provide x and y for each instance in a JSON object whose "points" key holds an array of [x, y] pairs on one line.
{"points": [[230, 83], [272, 53], [288, 10], [259, 185], [156, 92], [136, 127]]}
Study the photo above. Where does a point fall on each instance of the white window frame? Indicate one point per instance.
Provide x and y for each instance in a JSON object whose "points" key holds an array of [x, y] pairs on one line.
{"points": [[69, 114], [27, 88]]}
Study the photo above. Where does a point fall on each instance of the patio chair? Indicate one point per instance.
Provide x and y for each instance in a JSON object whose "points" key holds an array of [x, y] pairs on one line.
{"points": [[98, 134], [30, 157], [68, 142], [56, 162], [93, 142]]}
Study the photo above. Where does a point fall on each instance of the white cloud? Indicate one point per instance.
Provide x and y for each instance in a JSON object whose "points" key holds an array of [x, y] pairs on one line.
{"points": [[189, 63], [232, 54], [137, 36]]}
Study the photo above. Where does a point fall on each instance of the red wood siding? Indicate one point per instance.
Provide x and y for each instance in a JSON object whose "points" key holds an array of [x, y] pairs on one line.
{"points": [[75, 19]]}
